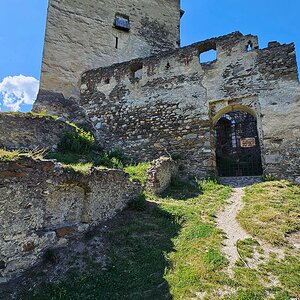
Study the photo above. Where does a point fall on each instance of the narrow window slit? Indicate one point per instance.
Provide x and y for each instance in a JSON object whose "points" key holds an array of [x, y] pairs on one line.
{"points": [[249, 46]]}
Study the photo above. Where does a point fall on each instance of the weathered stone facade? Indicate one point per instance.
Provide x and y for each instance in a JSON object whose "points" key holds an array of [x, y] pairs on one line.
{"points": [[160, 174], [170, 101], [28, 131], [42, 204], [81, 35], [175, 104]]}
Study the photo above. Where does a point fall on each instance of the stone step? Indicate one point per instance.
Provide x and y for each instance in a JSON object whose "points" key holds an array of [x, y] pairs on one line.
{"points": [[240, 181]]}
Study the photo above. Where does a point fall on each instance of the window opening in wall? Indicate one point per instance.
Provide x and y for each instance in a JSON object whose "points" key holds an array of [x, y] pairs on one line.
{"points": [[137, 71], [107, 81], [117, 43], [208, 56], [249, 46], [122, 22]]}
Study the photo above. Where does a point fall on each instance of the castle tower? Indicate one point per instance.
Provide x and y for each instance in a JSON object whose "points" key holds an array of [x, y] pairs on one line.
{"points": [[83, 35]]}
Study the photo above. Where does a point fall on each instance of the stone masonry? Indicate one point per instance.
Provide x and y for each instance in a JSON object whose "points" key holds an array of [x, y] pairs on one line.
{"points": [[81, 35], [42, 203], [29, 131], [175, 104], [160, 174], [151, 98]]}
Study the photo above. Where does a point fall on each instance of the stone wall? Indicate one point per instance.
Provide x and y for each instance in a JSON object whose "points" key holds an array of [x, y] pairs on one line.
{"points": [[160, 174], [28, 131], [43, 203], [175, 104], [81, 35]]}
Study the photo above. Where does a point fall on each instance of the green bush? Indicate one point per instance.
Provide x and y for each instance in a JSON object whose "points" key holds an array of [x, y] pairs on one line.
{"points": [[78, 142], [269, 177]]}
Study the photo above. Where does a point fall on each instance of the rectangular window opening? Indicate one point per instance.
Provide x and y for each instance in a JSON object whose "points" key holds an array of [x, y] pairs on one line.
{"points": [[117, 43], [137, 71], [122, 22], [208, 56]]}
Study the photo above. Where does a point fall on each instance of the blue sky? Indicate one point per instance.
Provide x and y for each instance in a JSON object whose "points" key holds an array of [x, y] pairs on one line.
{"points": [[22, 26]]}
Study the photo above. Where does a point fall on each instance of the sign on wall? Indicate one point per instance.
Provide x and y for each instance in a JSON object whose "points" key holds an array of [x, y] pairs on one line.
{"points": [[248, 143]]}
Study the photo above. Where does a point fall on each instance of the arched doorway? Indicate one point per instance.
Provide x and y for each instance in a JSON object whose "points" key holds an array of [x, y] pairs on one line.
{"points": [[238, 151]]}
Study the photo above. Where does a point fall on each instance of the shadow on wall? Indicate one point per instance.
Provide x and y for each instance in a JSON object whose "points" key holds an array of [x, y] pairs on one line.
{"points": [[136, 243]]}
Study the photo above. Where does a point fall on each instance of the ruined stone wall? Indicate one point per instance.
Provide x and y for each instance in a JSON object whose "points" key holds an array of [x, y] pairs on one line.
{"points": [[28, 131], [160, 174], [175, 104], [43, 203], [80, 35]]}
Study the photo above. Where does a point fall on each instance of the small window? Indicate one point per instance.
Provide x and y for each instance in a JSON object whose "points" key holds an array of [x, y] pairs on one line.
{"points": [[208, 56], [122, 22], [249, 46], [137, 71]]}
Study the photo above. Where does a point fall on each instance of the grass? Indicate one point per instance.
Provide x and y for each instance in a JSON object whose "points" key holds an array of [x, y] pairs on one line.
{"points": [[271, 211], [13, 155], [161, 249], [168, 247], [138, 172], [9, 155]]}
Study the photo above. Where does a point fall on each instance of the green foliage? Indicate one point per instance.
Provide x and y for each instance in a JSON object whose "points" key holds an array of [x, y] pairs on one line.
{"points": [[271, 210], [9, 155], [246, 247], [269, 177], [215, 259], [170, 248], [6, 155], [80, 150], [288, 272], [138, 171], [78, 142]]}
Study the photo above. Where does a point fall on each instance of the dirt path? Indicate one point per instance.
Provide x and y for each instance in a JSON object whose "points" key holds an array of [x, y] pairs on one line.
{"points": [[226, 220]]}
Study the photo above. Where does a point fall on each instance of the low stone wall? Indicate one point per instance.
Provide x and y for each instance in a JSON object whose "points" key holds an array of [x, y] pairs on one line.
{"points": [[29, 131], [160, 174], [42, 203]]}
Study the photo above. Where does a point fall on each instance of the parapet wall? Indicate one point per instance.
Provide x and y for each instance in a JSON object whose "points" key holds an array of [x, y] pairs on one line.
{"points": [[42, 204], [28, 131], [169, 102]]}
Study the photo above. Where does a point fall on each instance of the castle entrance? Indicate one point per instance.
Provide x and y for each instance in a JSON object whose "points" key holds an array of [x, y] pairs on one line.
{"points": [[238, 151]]}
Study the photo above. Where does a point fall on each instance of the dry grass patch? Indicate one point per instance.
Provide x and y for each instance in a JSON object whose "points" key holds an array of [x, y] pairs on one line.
{"points": [[271, 211]]}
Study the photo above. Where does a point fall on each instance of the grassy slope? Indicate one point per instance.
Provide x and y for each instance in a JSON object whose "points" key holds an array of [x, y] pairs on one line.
{"points": [[271, 211], [169, 248]]}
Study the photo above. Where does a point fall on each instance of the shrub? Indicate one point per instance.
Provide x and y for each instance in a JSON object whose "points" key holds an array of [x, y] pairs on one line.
{"points": [[269, 177], [78, 142]]}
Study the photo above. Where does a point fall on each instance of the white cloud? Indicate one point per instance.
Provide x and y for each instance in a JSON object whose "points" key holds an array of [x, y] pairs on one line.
{"points": [[17, 91]]}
